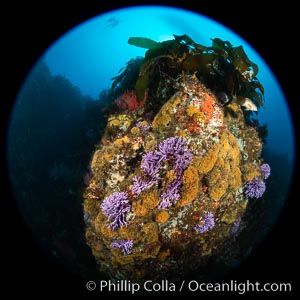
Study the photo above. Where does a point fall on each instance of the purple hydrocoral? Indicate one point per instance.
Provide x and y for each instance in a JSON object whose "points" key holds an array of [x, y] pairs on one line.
{"points": [[140, 125], [208, 223], [174, 148], [171, 194], [124, 245], [177, 149], [151, 164], [265, 170], [140, 185], [115, 207], [255, 188]]}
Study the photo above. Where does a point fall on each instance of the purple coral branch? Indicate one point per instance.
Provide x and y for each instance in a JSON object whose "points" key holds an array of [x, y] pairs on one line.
{"points": [[115, 207], [140, 185], [144, 128], [255, 188], [208, 223], [265, 170], [124, 245], [174, 148], [151, 164], [171, 194]]}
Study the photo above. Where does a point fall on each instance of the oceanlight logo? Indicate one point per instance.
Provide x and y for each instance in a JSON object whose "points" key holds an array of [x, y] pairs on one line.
{"points": [[239, 287]]}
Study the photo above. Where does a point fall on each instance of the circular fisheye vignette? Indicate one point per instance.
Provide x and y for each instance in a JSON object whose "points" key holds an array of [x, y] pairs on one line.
{"points": [[138, 204]]}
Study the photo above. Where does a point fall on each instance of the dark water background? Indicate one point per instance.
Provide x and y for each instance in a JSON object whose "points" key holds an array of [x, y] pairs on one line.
{"points": [[45, 164]]}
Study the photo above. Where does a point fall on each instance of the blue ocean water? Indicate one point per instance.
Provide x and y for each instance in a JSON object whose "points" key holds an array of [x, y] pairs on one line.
{"points": [[74, 71], [92, 53]]}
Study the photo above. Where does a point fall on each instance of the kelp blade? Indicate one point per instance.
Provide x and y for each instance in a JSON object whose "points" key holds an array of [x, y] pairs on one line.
{"points": [[144, 43]]}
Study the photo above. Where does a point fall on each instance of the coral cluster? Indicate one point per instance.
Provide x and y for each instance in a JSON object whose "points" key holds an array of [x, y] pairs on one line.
{"points": [[207, 224], [265, 170], [171, 180], [255, 188], [174, 149], [124, 245], [115, 207]]}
